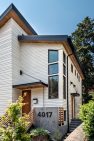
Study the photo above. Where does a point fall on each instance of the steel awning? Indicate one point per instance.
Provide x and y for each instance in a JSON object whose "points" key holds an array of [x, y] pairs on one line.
{"points": [[75, 94]]}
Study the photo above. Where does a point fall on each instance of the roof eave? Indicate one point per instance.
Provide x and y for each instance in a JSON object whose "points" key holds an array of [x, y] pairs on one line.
{"points": [[12, 12]]}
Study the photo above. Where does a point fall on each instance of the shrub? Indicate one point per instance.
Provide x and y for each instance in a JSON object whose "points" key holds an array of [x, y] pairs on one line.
{"points": [[16, 129], [39, 134], [57, 135], [87, 116]]}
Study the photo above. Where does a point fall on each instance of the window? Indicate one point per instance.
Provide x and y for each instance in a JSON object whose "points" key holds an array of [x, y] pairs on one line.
{"points": [[64, 69], [75, 72], [53, 56], [64, 87], [64, 75], [53, 87], [79, 78], [64, 58], [71, 68], [53, 69], [77, 75], [53, 73], [64, 115]]}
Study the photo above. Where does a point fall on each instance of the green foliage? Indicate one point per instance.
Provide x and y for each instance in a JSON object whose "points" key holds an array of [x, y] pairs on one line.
{"points": [[57, 135], [83, 39], [87, 116], [38, 132], [16, 128]]}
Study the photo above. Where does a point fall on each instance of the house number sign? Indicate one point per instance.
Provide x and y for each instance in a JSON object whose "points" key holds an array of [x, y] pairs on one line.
{"points": [[45, 114]]}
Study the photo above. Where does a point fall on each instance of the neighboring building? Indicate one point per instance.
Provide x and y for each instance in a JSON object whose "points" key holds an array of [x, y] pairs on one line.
{"points": [[43, 69]]}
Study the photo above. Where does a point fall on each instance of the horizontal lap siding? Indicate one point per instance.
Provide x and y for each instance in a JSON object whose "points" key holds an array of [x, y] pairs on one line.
{"points": [[16, 60], [78, 88], [5, 66], [34, 61]]}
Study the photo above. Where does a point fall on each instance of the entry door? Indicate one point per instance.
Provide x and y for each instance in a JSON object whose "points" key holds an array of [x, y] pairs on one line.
{"points": [[73, 106], [26, 94]]}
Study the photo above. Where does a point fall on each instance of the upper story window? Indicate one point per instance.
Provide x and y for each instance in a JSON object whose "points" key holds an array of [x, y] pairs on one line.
{"points": [[52, 56], [77, 75], [71, 68], [64, 58], [75, 72], [64, 75], [53, 73], [64, 64]]}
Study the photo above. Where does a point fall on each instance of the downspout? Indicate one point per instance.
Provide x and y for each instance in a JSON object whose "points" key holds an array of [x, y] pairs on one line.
{"points": [[68, 93]]}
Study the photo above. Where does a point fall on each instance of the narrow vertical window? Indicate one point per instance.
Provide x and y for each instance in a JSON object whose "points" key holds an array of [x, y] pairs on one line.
{"points": [[53, 73], [71, 68], [75, 72], [64, 87], [64, 75], [64, 115]]}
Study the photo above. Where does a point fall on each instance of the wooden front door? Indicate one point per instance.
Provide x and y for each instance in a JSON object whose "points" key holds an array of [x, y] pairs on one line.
{"points": [[73, 107], [26, 94]]}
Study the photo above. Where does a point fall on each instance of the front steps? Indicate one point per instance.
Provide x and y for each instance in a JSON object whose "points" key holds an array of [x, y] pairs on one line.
{"points": [[73, 125]]}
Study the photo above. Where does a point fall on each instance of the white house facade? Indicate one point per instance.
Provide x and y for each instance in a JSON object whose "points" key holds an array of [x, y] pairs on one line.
{"points": [[43, 69]]}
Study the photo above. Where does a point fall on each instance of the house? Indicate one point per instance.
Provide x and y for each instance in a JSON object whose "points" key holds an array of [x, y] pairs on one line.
{"points": [[43, 69]]}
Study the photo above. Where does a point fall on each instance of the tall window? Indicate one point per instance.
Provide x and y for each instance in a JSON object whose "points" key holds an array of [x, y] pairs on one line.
{"points": [[71, 68], [53, 73], [64, 75]]}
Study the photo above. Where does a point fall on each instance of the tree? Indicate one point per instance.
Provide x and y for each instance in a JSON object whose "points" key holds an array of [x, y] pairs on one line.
{"points": [[83, 39], [15, 128]]}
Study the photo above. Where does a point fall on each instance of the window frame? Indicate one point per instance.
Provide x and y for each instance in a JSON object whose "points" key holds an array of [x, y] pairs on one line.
{"points": [[49, 97], [64, 76], [52, 75]]}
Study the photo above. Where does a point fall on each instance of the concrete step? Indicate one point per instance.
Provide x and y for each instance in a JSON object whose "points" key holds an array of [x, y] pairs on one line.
{"points": [[74, 124]]}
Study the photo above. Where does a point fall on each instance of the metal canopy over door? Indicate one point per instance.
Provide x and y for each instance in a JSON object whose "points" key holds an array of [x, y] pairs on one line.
{"points": [[26, 94]]}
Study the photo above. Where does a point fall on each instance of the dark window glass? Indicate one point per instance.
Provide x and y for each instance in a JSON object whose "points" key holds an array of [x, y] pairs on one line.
{"points": [[64, 69], [53, 69], [64, 57], [77, 75], [64, 87], [64, 115], [75, 72], [53, 87], [79, 78], [71, 68], [52, 56]]}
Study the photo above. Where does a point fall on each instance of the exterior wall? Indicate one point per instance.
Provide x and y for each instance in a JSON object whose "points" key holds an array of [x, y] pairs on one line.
{"points": [[34, 61], [78, 89], [48, 118], [16, 63], [5, 66]]}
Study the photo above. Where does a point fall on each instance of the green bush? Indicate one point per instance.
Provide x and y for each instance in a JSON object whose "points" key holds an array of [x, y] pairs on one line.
{"points": [[38, 132], [16, 129], [87, 116]]}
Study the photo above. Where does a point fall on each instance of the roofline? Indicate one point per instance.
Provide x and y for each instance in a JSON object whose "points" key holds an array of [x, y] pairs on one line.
{"points": [[51, 39], [42, 38], [75, 54], [13, 8]]}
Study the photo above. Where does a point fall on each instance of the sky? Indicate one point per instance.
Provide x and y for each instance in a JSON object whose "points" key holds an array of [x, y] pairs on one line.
{"points": [[52, 17]]}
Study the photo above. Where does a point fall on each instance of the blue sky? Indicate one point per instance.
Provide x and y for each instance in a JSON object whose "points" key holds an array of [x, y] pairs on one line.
{"points": [[52, 16]]}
